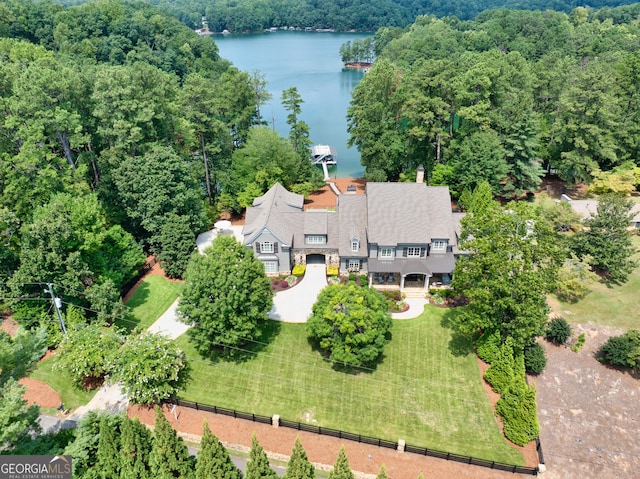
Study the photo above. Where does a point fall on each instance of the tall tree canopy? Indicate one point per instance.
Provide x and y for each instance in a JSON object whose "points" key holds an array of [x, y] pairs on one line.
{"points": [[511, 266], [226, 297]]}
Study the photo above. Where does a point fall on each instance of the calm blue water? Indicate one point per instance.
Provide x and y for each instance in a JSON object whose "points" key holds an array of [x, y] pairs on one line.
{"points": [[309, 61]]}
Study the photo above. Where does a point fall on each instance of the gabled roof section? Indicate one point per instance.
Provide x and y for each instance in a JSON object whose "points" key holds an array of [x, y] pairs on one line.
{"points": [[397, 213], [276, 210], [441, 222], [352, 221], [315, 222], [279, 197]]}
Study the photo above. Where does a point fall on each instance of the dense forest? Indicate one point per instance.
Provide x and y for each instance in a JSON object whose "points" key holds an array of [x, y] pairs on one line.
{"points": [[122, 133], [363, 15], [504, 98]]}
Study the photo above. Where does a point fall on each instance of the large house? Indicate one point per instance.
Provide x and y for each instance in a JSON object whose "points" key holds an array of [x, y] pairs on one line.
{"points": [[400, 234]]}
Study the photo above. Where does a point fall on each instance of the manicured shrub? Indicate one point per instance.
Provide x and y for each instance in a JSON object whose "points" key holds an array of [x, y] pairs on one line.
{"points": [[363, 280], [517, 408], [502, 371], [623, 350], [332, 271], [299, 270], [284, 284], [488, 346], [353, 277], [535, 359], [558, 331]]}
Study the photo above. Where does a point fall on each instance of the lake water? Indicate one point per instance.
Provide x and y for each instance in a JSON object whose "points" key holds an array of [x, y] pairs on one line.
{"points": [[309, 61]]}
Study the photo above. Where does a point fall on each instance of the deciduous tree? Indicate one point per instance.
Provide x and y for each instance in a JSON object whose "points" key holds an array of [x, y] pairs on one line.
{"points": [[226, 297], [351, 323], [512, 264]]}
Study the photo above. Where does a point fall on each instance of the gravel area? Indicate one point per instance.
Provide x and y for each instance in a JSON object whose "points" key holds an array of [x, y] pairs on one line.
{"points": [[588, 412]]}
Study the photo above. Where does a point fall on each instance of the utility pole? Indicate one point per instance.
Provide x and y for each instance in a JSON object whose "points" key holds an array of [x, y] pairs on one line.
{"points": [[57, 303]]}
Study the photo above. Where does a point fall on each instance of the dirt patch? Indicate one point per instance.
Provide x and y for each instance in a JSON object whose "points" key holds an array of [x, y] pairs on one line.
{"points": [[588, 412], [10, 326], [40, 393], [320, 449]]}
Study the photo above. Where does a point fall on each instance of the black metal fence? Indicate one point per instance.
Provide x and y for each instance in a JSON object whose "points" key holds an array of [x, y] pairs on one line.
{"points": [[144, 270], [532, 471]]}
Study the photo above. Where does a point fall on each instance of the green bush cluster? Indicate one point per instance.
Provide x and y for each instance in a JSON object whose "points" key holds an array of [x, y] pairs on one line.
{"points": [[353, 277], [623, 350], [299, 270], [535, 359], [558, 331], [517, 406], [501, 372], [579, 343], [488, 346]]}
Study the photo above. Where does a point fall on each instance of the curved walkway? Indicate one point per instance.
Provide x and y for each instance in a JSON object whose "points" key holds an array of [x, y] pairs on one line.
{"points": [[416, 308], [294, 305]]}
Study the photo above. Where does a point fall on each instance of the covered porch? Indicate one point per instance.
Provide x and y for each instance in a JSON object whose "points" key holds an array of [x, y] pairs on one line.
{"points": [[411, 275]]}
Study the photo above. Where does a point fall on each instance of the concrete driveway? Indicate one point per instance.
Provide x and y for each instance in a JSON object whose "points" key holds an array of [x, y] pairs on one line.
{"points": [[294, 305]]}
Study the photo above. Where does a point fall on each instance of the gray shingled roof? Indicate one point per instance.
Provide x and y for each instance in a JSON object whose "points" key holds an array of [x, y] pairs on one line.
{"points": [[315, 222], [441, 225], [278, 211], [352, 221], [409, 213], [397, 213]]}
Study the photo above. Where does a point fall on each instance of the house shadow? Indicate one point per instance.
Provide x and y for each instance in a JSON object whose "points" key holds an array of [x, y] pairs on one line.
{"points": [[461, 343], [217, 353]]}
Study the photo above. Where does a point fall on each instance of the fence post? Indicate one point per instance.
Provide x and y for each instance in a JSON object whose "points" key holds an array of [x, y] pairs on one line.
{"points": [[275, 421], [542, 468], [401, 445]]}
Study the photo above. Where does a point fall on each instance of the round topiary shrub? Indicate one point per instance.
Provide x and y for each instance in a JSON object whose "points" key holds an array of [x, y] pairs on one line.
{"points": [[284, 284], [534, 358], [558, 331]]}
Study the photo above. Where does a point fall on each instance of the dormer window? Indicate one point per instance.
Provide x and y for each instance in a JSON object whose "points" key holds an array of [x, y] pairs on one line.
{"points": [[438, 245], [355, 245]]}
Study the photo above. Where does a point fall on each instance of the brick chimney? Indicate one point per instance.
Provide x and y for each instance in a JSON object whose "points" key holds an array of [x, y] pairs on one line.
{"points": [[420, 174]]}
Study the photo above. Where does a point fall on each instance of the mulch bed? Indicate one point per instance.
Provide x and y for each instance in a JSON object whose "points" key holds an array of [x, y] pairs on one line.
{"points": [[236, 433]]}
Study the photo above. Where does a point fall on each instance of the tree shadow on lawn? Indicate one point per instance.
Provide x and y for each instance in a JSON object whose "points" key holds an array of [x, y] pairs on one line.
{"points": [[245, 352], [141, 296], [347, 368], [460, 344]]}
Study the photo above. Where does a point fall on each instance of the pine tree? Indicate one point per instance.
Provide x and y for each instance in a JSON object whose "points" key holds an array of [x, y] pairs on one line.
{"points": [[108, 465], [299, 466], [169, 457], [135, 449], [382, 474], [341, 469], [213, 459], [258, 464]]}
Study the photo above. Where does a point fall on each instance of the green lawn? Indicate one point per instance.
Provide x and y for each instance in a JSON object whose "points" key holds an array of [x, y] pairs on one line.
{"points": [[60, 381], [152, 298], [427, 390], [616, 306]]}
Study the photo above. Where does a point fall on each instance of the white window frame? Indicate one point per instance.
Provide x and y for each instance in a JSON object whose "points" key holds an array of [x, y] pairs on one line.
{"points": [[266, 247], [438, 245], [273, 266], [353, 265], [315, 239], [414, 252], [355, 245], [386, 253]]}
